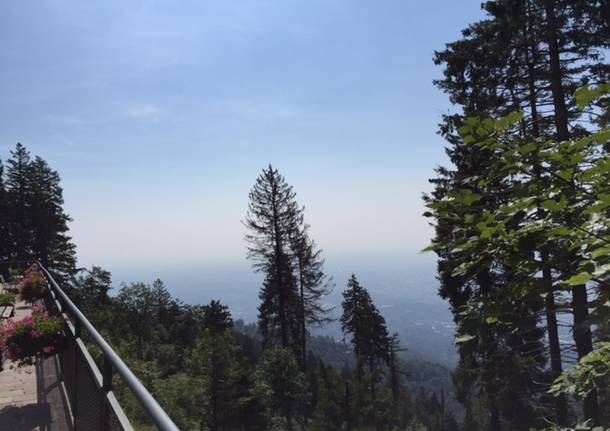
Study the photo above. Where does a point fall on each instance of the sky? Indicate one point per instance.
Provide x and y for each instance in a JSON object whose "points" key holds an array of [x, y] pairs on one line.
{"points": [[159, 116]]}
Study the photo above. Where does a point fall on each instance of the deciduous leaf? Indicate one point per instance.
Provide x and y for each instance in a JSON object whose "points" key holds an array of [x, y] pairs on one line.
{"points": [[586, 94], [603, 251], [561, 230], [464, 338], [467, 197], [431, 247], [605, 198], [551, 205], [581, 278]]}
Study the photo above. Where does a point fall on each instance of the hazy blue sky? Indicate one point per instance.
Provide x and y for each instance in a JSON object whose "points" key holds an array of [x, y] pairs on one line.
{"points": [[159, 115]]}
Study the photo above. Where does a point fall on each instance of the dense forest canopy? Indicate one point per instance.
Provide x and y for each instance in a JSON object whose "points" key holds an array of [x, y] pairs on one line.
{"points": [[522, 233]]}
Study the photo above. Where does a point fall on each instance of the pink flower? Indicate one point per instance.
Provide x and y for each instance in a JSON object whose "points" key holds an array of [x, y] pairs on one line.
{"points": [[21, 340]]}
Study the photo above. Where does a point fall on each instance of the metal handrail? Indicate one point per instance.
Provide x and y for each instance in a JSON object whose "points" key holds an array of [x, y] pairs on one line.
{"points": [[113, 361]]}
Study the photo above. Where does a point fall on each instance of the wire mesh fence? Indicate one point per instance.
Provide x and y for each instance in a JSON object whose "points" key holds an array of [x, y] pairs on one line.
{"points": [[92, 407]]}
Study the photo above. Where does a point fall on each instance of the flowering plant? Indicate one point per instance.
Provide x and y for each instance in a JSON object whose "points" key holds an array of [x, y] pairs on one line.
{"points": [[22, 340], [7, 298], [31, 288]]}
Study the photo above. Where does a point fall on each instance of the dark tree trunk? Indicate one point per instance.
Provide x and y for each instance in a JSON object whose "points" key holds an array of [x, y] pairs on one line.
{"points": [[582, 330], [559, 101], [561, 407], [494, 417], [584, 344], [289, 421], [303, 326], [278, 264], [372, 373], [347, 410], [215, 393]]}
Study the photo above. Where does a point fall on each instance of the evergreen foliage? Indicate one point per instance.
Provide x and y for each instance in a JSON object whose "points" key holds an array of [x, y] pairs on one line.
{"points": [[273, 216], [220, 378], [33, 224], [313, 283], [209, 372], [329, 413], [526, 56], [369, 337], [282, 388], [281, 248]]}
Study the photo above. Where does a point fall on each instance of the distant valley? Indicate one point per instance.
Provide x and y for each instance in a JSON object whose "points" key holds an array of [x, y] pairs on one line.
{"points": [[404, 289]]}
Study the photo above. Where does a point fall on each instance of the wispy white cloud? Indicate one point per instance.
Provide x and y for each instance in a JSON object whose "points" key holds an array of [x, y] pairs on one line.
{"points": [[146, 111], [65, 120], [261, 110], [252, 108]]}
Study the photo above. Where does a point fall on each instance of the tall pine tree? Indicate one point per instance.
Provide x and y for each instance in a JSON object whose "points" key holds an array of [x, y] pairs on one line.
{"points": [[366, 327], [281, 248], [273, 216], [313, 284], [5, 233], [19, 193], [37, 223]]}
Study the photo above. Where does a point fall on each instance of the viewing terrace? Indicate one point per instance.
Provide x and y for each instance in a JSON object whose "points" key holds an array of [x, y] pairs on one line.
{"points": [[68, 391]]}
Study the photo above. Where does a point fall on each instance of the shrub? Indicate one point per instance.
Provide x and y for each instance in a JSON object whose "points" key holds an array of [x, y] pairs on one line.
{"points": [[7, 298], [21, 341], [32, 287]]}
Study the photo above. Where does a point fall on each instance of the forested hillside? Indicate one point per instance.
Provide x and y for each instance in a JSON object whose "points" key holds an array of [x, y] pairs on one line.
{"points": [[208, 371]]}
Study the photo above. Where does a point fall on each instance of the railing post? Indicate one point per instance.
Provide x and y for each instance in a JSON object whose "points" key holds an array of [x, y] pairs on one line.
{"points": [[77, 333], [107, 375], [77, 328], [106, 387]]}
